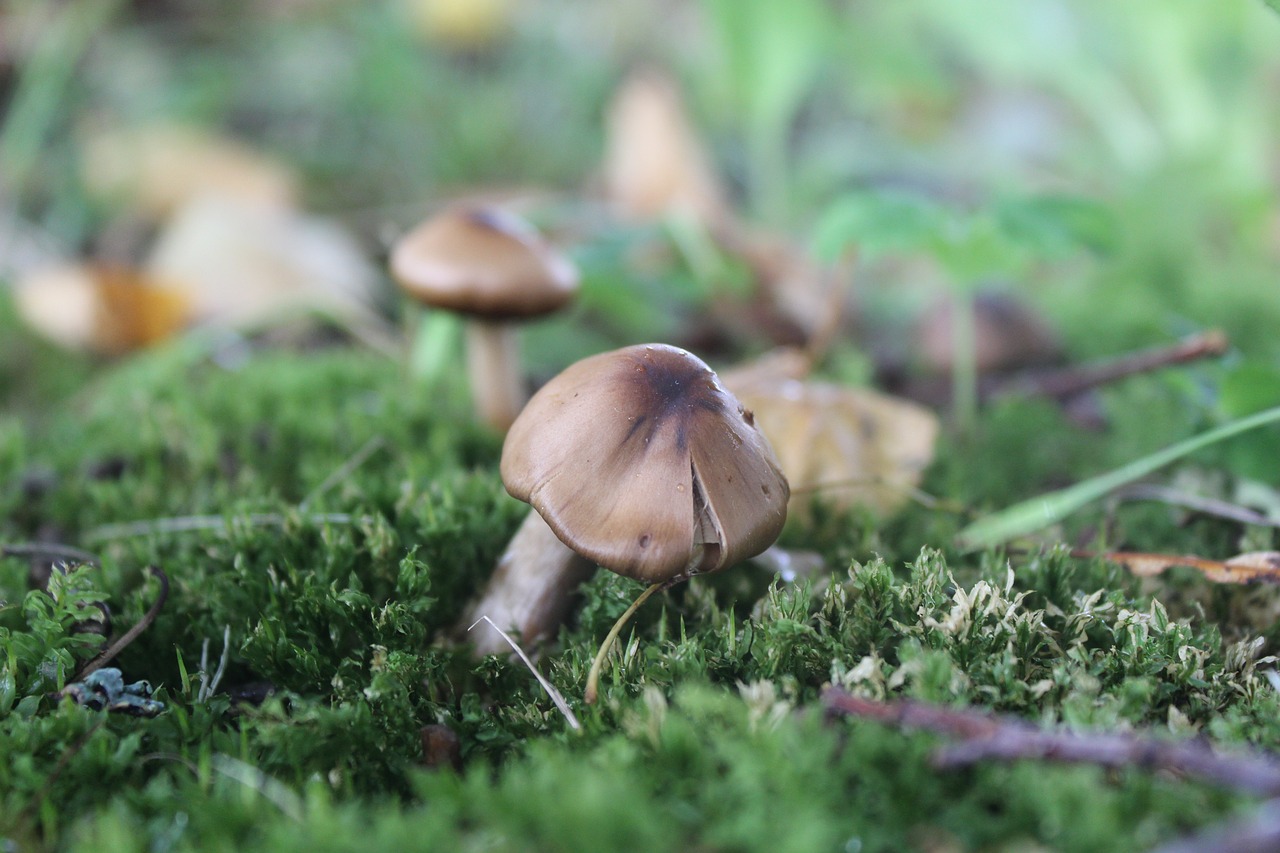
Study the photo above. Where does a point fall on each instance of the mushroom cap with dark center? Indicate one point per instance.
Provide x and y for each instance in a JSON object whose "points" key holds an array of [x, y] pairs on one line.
{"points": [[485, 262], [640, 460]]}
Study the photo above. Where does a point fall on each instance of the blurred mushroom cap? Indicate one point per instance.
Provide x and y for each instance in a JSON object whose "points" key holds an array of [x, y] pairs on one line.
{"points": [[485, 262]]}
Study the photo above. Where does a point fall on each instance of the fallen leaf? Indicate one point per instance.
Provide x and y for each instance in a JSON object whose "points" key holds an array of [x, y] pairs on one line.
{"points": [[242, 265], [100, 308], [155, 170], [654, 163], [1249, 568], [765, 371], [845, 446], [813, 295]]}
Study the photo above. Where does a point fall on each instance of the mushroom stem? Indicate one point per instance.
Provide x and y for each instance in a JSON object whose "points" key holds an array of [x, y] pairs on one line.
{"points": [[492, 364], [529, 591], [593, 677]]}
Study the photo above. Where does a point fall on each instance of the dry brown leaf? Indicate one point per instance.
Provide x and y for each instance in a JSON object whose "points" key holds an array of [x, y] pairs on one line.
{"points": [[242, 265], [100, 308], [768, 370], [654, 163], [814, 296], [1007, 335], [1249, 568], [155, 170], [845, 446]]}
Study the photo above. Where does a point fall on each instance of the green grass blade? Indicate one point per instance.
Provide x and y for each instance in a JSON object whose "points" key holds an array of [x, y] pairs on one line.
{"points": [[1033, 514], [41, 91]]}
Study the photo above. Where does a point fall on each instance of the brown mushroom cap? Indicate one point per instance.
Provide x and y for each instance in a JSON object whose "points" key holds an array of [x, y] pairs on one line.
{"points": [[640, 460], [485, 262]]}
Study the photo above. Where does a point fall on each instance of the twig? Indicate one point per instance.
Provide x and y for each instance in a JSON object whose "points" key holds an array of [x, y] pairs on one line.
{"points": [[344, 470], [990, 737], [555, 694], [184, 524], [1195, 503], [913, 715], [49, 549], [105, 656], [1064, 383]]}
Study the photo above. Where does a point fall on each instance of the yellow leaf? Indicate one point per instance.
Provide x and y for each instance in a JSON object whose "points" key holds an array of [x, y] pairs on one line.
{"points": [[846, 446]]}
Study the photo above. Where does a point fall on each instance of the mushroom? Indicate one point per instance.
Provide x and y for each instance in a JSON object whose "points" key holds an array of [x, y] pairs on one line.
{"points": [[492, 267], [530, 589], [641, 461]]}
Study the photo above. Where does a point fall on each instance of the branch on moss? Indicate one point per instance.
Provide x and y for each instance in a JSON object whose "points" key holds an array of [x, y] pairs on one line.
{"points": [[49, 549], [1064, 383], [344, 471], [987, 737], [109, 653]]}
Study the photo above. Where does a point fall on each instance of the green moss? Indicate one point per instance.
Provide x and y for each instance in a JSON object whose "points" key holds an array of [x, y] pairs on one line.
{"points": [[707, 736]]}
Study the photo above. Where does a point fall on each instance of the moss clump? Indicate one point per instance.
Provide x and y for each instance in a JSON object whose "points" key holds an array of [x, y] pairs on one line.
{"points": [[342, 602]]}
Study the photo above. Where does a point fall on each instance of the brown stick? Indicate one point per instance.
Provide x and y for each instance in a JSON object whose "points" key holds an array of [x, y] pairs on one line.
{"points": [[1067, 382], [106, 655], [48, 549], [990, 737]]}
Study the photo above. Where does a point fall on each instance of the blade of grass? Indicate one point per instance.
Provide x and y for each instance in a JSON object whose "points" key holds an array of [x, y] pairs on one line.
{"points": [[556, 696], [42, 86], [1031, 515]]}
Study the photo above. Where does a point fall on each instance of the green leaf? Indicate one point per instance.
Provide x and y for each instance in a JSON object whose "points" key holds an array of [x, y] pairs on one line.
{"points": [[1249, 387], [1054, 224], [970, 244], [1036, 513], [878, 222], [771, 52]]}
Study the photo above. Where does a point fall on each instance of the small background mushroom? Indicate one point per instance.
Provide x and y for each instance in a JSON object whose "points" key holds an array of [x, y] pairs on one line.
{"points": [[493, 268]]}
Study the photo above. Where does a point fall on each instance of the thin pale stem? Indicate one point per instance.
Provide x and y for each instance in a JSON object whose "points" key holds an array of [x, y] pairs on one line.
{"points": [[531, 588], [493, 360], [593, 677], [964, 376]]}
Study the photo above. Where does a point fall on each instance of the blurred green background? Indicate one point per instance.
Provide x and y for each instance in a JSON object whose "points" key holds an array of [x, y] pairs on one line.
{"points": [[1136, 141]]}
